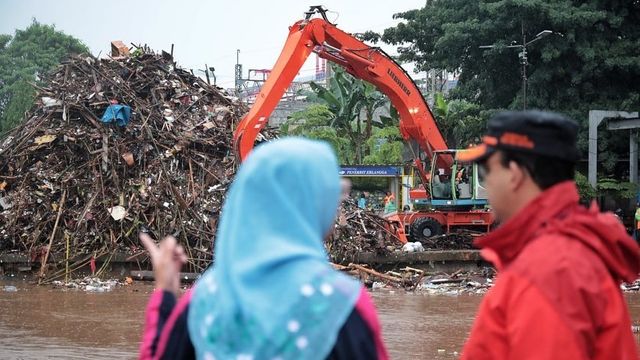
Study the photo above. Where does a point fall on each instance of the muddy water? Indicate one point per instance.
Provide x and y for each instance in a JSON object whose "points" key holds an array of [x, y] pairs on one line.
{"points": [[421, 326], [45, 323]]}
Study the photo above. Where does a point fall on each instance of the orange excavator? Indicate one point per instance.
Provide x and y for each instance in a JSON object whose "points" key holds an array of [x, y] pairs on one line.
{"points": [[450, 195]]}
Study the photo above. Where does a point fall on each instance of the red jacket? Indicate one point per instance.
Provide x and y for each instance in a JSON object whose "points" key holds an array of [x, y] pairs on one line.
{"points": [[557, 295]]}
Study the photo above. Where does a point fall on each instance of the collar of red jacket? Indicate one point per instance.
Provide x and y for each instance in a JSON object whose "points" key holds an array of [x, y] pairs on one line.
{"points": [[505, 243]]}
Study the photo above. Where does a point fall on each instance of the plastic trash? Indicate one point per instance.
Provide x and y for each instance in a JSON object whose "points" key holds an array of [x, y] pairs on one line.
{"points": [[417, 246], [412, 247], [48, 102], [117, 212], [408, 247], [120, 114]]}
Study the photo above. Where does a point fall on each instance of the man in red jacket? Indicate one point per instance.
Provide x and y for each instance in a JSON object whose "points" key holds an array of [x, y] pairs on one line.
{"points": [[560, 265]]}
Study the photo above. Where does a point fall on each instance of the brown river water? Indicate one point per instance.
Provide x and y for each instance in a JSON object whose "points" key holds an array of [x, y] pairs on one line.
{"points": [[46, 323]]}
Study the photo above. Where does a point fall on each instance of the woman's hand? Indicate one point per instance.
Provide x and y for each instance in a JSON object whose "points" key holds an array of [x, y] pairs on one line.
{"points": [[166, 258]]}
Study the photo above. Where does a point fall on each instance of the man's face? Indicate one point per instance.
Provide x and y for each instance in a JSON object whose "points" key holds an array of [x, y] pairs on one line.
{"points": [[496, 182]]}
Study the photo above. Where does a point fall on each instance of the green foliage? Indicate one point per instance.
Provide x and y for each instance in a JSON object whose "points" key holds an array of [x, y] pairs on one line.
{"points": [[4, 40], [353, 103], [316, 115], [314, 123], [599, 41], [365, 141], [385, 146], [136, 53], [21, 99], [441, 106], [370, 36], [392, 120], [619, 189], [585, 190], [461, 122], [593, 65], [310, 96], [25, 57]]}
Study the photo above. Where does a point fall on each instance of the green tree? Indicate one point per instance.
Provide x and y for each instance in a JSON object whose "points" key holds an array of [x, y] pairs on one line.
{"points": [[314, 122], [585, 190], [620, 189], [24, 58], [353, 103], [594, 63], [461, 122], [385, 146], [371, 101]]}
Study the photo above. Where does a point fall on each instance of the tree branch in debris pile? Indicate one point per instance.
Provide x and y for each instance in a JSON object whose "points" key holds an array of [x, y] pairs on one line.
{"points": [[167, 169], [357, 231]]}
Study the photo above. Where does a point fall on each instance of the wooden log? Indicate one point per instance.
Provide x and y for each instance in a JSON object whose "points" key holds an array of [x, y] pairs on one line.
{"points": [[105, 152], [375, 273], [340, 267], [407, 268], [53, 234], [363, 227]]}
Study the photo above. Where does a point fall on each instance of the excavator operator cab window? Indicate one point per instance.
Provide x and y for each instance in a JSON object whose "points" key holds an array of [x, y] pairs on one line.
{"points": [[480, 191], [443, 177], [442, 185], [456, 181], [463, 182]]}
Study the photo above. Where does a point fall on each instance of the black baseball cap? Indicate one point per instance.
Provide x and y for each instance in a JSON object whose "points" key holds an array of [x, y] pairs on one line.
{"points": [[532, 132]]}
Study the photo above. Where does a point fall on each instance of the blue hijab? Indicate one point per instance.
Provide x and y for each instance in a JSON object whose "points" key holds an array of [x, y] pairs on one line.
{"points": [[271, 293]]}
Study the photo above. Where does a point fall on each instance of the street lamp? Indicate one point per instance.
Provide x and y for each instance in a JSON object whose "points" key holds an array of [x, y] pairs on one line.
{"points": [[522, 55]]}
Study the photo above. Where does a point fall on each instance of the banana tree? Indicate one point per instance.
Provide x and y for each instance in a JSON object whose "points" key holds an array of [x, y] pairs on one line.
{"points": [[353, 103], [313, 122], [460, 122]]}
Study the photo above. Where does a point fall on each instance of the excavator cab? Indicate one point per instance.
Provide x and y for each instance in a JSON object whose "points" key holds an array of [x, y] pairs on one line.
{"points": [[456, 185]]}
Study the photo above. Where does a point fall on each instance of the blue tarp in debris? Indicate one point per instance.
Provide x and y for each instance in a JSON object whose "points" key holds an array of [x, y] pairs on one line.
{"points": [[119, 114]]}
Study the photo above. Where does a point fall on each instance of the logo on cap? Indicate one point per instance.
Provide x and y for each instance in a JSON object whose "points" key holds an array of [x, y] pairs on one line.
{"points": [[517, 140]]}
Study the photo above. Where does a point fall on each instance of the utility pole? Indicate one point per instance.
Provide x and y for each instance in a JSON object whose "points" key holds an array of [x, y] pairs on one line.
{"points": [[524, 63], [238, 74], [522, 55]]}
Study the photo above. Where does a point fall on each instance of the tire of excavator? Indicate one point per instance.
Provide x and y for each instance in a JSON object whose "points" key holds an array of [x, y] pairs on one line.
{"points": [[424, 228]]}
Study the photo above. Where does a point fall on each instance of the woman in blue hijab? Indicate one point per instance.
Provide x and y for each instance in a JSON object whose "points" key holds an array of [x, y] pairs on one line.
{"points": [[271, 293]]}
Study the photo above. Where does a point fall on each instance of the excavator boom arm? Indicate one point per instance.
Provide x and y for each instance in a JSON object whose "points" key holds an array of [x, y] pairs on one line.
{"points": [[360, 60]]}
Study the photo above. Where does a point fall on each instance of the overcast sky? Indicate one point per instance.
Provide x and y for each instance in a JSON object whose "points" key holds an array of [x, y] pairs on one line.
{"points": [[202, 31]]}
